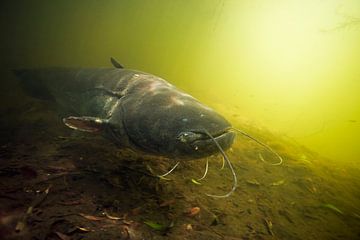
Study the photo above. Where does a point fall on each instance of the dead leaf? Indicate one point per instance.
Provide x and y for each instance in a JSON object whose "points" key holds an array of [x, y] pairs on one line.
{"points": [[20, 226], [278, 183], [78, 229], [112, 217], [92, 218], [193, 211], [167, 203], [83, 229], [188, 227], [253, 182]]}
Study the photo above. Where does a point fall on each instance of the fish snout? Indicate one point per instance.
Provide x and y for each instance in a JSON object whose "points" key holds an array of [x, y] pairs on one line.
{"points": [[202, 145]]}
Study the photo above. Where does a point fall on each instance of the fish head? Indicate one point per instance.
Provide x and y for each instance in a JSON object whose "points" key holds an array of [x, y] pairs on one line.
{"points": [[199, 129], [177, 131]]}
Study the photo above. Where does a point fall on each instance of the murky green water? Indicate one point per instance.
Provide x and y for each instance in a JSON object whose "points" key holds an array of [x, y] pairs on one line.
{"points": [[285, 71]]}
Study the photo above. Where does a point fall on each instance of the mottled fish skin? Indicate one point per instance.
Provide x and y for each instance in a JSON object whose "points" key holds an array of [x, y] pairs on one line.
{"points": [[137, 110]]}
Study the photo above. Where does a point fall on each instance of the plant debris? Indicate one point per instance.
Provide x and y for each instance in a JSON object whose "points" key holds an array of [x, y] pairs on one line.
{"points": [[35, 203], [269, 226], [278, 183], [253, 182], [193, 211], [156, 226], [332, 207], [91, 218]]}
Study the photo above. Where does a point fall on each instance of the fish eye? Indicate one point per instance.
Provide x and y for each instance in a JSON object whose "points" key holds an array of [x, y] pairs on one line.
{"points": [[182, 137], [188, 136]]}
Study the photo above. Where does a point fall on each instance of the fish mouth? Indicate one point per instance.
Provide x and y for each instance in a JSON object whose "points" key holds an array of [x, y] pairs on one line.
{"points": [[224, 137]]}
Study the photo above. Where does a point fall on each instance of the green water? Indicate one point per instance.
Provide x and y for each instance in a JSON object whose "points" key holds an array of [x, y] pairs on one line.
{"points": [[284, 70]]}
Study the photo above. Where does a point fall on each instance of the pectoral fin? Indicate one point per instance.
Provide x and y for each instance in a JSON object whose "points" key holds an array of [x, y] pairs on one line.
{"points": [[85, 124]]}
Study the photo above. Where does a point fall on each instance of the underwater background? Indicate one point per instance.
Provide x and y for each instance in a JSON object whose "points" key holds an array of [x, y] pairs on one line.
{"points": [[288, 72]]}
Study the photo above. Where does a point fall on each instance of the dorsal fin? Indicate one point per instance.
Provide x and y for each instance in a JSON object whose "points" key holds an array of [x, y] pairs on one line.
{"points": [[115, 63]]}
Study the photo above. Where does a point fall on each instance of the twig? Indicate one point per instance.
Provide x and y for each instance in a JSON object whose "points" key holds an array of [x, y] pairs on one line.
{"points": [[35, 203]]}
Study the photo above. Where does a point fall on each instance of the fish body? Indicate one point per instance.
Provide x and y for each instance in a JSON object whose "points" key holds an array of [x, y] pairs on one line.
{"points": [[134, 109]]}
